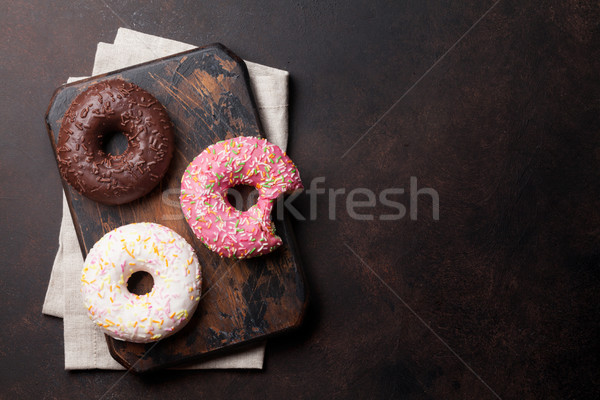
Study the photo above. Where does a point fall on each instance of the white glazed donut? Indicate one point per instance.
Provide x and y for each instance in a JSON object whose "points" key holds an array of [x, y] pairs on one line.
{"points": [[148, 247]]}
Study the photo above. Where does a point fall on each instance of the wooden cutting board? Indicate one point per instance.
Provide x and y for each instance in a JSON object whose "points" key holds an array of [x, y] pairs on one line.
{"points": [[207, 95]]}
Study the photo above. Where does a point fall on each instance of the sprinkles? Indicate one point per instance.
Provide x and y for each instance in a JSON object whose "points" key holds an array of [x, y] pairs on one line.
{"points": [[141, 247], [242, 160]]}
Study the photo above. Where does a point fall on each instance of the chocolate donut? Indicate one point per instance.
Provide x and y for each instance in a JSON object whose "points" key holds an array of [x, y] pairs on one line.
{"points": [[103, 109]]}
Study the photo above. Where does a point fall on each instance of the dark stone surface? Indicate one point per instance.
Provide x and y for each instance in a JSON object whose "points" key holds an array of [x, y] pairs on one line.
{"points": [[505, 128]]}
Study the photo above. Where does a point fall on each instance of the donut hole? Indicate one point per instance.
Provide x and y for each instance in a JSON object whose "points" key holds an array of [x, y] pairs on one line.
{"points": [[114, 143], [140, 283], [242, 197]]}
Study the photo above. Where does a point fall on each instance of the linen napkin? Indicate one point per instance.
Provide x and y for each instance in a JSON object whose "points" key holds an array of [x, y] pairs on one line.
{"points": [[85, 346]]}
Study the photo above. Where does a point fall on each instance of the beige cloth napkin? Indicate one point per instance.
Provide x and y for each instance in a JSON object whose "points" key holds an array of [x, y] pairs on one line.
{"points": [[85, 346]]}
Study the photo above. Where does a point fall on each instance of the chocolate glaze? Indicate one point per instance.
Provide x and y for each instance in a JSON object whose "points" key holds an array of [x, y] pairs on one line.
{"points": [[104, 108]]}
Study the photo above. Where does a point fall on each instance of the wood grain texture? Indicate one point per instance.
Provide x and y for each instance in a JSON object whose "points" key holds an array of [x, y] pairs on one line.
{"points": [[506, 128], [207, 95]]}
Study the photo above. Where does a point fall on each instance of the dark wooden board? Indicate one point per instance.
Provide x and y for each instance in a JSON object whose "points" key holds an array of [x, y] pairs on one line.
{"points": [[207, 95]]}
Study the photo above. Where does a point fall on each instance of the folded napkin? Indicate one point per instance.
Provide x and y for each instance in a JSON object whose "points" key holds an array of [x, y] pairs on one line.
{"points": [[85, 346]]}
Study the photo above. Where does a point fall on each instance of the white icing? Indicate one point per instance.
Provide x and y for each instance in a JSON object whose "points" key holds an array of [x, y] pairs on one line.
{"points": [[149, 247]]}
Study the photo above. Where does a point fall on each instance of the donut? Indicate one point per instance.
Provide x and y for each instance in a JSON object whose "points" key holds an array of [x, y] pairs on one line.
{"points": [[103, 109], [148, 247], [240, 161]]}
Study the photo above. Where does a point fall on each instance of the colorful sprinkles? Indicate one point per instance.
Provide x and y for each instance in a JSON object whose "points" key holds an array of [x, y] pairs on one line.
{"points": [[242, 160], [148, 247]]}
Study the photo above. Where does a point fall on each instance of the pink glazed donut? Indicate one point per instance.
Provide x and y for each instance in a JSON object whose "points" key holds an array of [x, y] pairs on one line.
{"points": [[243, 160]]}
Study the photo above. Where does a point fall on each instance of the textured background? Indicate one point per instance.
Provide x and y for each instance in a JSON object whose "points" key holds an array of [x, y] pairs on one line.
{"points": [[497, 298]]}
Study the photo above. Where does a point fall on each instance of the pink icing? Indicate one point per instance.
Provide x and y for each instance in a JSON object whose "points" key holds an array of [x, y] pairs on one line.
{"points": [[243, 160]]}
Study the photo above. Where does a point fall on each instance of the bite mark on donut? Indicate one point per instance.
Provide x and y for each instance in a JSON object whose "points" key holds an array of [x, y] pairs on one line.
{"points": [[239, 161]]}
